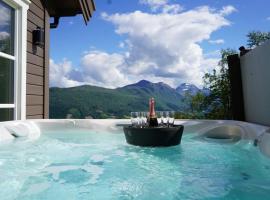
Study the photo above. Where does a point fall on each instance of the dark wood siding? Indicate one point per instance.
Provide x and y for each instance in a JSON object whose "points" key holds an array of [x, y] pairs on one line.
{"points": [[37, 63]]}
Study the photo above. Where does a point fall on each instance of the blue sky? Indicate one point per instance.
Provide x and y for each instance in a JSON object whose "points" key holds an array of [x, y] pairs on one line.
{"points": [[173, 41]]}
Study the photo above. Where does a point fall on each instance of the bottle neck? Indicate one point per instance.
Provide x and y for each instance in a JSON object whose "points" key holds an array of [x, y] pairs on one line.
{"points": [[152, 113]]}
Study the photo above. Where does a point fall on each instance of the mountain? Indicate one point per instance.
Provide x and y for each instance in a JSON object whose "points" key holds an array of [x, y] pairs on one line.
{"points": [[191, 89], [96, 102], [166, 97], [187, 88]]}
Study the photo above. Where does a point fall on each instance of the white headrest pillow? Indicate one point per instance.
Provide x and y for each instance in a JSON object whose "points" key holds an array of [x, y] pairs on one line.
{"points": [[19, 130]]}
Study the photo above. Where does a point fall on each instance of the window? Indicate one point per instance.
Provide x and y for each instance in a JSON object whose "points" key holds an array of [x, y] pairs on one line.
{"points": [[12, 59], [7, 58]]}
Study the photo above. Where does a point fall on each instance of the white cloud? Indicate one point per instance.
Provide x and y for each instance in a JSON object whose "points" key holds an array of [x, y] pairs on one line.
{"points": [[103, 69], [167, 45], [219, 41], [4, 35], [227, 10], [4, 16], [163, 46], [173, 8], [121, 45], [162, 5], [60, 74], [154, 4]]}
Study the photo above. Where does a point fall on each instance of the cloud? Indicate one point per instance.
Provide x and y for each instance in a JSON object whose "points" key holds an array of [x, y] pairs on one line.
{"points": [[162, 5], [121, 45], [154, 4], [173, 8], [60, 74], [5, 16], [160, 46], [103, 69], [227, 10], [167, 45], [219, 41], [4, 35]]}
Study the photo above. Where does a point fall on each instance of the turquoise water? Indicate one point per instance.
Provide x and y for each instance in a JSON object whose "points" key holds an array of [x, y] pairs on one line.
{"points": [[87, 165]]}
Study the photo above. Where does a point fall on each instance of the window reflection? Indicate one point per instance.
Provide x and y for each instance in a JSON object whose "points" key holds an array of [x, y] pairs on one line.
{"points": [[7, 14], [6, 114], [6, 81]]}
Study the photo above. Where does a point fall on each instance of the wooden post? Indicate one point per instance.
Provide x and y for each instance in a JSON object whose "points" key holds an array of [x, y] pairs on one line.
{"points": [[237, 99], [46, 65]]}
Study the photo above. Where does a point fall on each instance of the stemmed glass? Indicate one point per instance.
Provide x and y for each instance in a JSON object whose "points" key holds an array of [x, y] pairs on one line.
{"points": [[138, 118], [160, 118], [134, 118], [171, 118], [143, 121], [166, 118]]}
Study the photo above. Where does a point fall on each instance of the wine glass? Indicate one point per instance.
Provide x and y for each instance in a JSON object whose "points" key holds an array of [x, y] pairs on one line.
{"points": [[143, 118], [160, 118], [133, 117], [166, 118], [171, 118], [138, 118]]}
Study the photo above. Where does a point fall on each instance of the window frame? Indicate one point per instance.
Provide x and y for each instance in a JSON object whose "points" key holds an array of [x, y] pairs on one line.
{"points": [[19, 58]]}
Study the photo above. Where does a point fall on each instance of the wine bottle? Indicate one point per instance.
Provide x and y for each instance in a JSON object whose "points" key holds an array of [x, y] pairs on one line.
{"points": [[153, 122]]}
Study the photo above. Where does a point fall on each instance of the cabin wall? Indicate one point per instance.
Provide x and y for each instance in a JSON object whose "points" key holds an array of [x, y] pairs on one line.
{"points": [[37, 64], [255, 69]]}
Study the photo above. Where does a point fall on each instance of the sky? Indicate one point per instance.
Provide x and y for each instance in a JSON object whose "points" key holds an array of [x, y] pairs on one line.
{"points": [[171, 41]]}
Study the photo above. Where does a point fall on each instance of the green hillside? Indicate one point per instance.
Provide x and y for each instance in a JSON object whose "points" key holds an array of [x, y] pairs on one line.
{"points": [[97, 102]]}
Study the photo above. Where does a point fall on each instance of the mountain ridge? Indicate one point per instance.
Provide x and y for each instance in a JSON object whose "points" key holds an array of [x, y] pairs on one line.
{"points": [[89, 101]]}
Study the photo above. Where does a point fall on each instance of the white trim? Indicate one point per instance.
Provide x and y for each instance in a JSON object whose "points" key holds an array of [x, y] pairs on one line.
{"points": [[4, 55], [26, 1], [16, 65], [18, 3], [7, 105], [22, 63], [21, 7]]}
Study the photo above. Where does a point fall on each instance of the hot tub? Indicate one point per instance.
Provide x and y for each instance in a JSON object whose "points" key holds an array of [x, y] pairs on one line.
{"points": [[90, 159]]}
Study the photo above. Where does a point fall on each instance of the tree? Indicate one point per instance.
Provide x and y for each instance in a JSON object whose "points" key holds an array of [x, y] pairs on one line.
{"points": [[187, 101], [219, 102], [198, 102], [76, 114], [256, 38]]}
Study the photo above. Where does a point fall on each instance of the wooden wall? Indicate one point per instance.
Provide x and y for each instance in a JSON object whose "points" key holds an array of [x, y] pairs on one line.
{"points": [[37, 64]]}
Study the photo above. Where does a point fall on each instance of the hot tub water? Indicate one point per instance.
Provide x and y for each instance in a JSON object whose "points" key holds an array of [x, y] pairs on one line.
{"points": [[83, 164]]}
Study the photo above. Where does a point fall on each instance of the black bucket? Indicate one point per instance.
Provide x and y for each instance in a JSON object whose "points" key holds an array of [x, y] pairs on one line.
{"points": [[154, 136]]}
